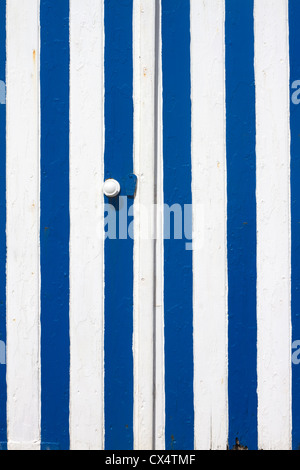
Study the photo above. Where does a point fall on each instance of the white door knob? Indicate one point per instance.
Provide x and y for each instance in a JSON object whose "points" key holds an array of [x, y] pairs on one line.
{"points": [[111, 188]]}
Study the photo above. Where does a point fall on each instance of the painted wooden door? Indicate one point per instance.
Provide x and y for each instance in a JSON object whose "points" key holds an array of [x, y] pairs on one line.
{"points": [[166, 317]]}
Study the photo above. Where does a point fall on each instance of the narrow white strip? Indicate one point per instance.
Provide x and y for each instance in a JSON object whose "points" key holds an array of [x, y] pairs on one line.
{"points": [[159, 271], [86, 213], [23, 211], [273, 224], [144, 155], [209, 216]]}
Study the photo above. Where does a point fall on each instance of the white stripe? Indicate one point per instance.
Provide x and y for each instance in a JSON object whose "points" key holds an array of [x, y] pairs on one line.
{"points": [[159, 273], [144, 154], [273, 224], [24, 446], [86, 237], [23, 211], [209, 216]]}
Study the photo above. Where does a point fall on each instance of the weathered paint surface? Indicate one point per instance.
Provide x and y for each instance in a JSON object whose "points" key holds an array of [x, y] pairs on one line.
{"points": [[178, 290], [294, 43], [241, 222], [118, 163], [23, 263], [86, 221], [55, 224], [3, 394], [273, 225], [123, 343], [209, 202], [144, 89]]}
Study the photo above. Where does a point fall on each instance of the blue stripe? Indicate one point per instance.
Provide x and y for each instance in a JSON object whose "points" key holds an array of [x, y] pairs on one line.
{"points": [[55, 342], [241, 169], [294, 14], [178, 293], [118, 252], [3, 426]]}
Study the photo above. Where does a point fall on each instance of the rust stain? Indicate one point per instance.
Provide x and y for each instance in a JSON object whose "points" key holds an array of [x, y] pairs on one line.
{"points": [[34, 55], [239, 446]]}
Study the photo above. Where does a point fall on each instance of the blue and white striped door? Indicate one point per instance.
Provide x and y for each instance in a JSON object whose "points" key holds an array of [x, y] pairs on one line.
{"points": [[168, 317]]}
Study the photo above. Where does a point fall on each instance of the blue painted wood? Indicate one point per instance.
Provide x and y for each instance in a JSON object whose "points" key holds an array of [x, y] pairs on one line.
{"points": [[55, 343], [3, 393], [49, 446], [294, 14], [178, 295], [241, 170], [119, 252], [129, 184]]}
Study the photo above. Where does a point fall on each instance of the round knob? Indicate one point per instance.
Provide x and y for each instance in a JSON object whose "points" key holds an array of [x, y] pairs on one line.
{"points": [[111, 188]]}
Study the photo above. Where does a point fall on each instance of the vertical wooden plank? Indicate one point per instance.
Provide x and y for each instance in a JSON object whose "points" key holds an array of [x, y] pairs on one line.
{"points": [[23, 209], [3, 393], [144, 92], [178, 269], [294, 12], [159, 373], [55, 224], [118, 164], [273, 224], [86, 217], [241, 223], [209, 216]]}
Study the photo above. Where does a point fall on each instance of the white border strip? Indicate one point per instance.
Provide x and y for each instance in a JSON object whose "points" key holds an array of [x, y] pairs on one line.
{"points": [[159, 272], [273, 224], [23, 226], [86, 237], [209, 216]]}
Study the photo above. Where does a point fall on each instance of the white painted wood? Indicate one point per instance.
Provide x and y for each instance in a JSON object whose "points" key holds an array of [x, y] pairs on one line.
{"points": [[144, 155], [273, 224], [24, 446], [209, 216], [87, 229], [159, 375], [23, 211]]}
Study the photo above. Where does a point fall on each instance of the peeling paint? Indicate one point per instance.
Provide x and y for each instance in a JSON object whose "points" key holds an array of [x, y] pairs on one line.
{"points": [[239, 446]]}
